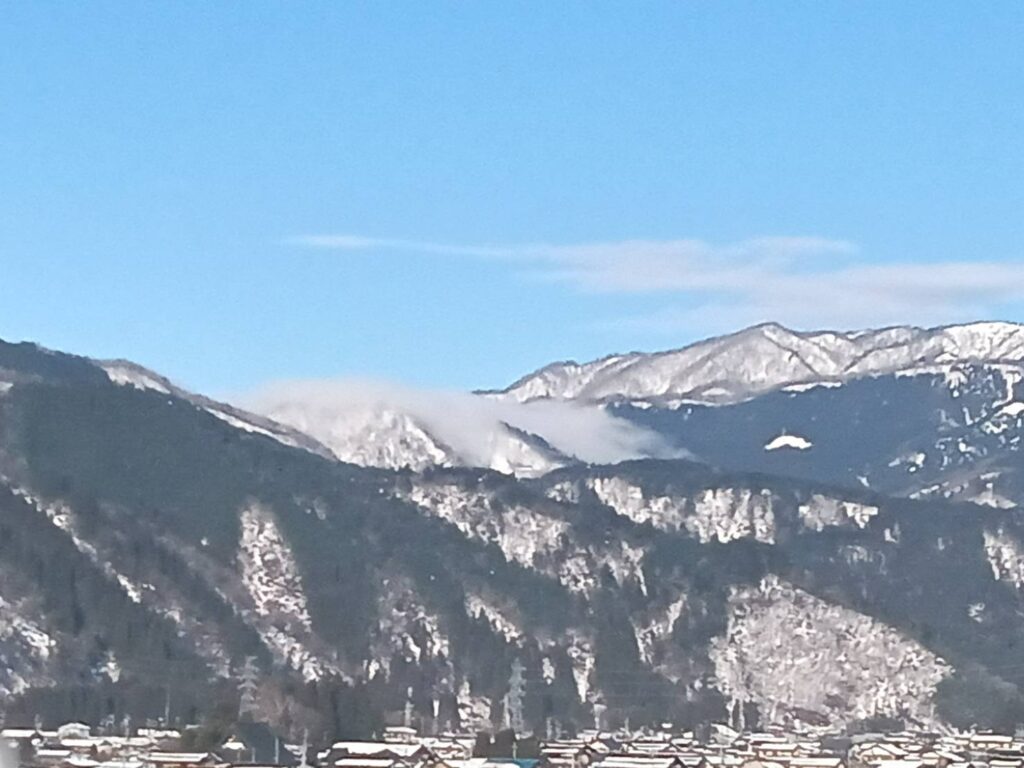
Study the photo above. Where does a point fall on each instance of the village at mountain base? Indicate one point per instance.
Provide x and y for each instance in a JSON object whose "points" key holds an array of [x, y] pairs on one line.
{"points": [[75, 745]]}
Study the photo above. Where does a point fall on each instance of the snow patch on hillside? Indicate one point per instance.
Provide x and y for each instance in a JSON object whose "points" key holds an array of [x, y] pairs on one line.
{"points": [[512, 453], [784, 650], [524, 535], [626, 562], [108, 667], [808, 386], [127, 375], [658, 627], [988, 496], [529, 537], [293, 653], [251, 427], [371, 437], [794, 442], [391, 438], [271, 578], [474, 711], [1005, 556], [822, 511], [564, 492], [665, 512], [161, 601], [269, 571], [478, 607], [547, 670], [714, 514], [581, 654], [912, 461], [727, 514], [63, 517], [25, 648], [406, 627]]}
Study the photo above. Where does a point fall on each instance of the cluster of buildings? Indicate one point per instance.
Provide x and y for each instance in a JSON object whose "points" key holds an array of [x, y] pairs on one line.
{"points": [[723, 747], [75, 746]]}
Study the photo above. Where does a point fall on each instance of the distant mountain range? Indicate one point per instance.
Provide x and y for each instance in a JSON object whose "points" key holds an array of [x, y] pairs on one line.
{"points": [[767, 358], [909, 411], [841, 546]]}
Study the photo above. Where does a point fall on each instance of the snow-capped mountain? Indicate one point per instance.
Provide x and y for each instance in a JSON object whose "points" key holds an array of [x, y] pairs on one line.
{"points": [[954, 434], [152, 549], [916, 412], [370, 432], [765, 399], [514, 451], [732, 368], [380, 429], [374, 436]]}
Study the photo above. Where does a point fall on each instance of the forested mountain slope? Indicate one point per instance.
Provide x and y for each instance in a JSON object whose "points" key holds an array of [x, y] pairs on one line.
{"points": [[153, 551]]}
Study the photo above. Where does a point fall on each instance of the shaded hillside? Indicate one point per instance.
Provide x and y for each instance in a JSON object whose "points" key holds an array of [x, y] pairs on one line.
{"points": [[152, 550]]}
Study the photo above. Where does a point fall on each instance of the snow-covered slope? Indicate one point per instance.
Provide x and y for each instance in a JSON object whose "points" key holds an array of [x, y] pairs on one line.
{"points": [[374, 436], [955, 434], [371, 432], [155, 530], [128, 374], [379, 433], [517, 452], [769, 357]]}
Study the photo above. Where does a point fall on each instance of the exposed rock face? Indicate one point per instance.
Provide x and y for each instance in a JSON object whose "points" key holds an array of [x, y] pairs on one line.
{"points": [[26, 650], [787, 651], [714, 514], [1006, 556], [382, 431], [271, 578], [523, 536], [821, 511], [268, 568], [372, 437]]}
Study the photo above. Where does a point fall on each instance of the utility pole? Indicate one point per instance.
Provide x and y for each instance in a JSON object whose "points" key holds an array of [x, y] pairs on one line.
{"points": [[408, 707], [514, 704], [305, 749], [515, 696], [599, 710], [248, 685]]}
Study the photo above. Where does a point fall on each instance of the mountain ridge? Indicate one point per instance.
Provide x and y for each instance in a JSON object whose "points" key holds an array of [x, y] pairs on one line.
{"points": [[149, 547], [695, 369]]}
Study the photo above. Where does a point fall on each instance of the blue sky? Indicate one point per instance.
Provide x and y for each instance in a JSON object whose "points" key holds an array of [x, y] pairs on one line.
{"points": [[452, 194]]}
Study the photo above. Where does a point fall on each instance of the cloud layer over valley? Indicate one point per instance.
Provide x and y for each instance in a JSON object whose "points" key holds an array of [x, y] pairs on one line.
{"points": [[470, 426]]}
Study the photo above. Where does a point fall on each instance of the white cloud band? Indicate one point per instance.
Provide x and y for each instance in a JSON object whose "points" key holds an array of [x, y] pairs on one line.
{"points": [[802, 281]]}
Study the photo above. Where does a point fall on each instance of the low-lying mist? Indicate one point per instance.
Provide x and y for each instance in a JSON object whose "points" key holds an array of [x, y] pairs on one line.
{"points": [[463, 421]]}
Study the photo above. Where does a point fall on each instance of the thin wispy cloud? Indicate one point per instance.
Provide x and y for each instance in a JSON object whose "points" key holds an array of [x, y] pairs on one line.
{"points": [[360, 243], [804, 281]]}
